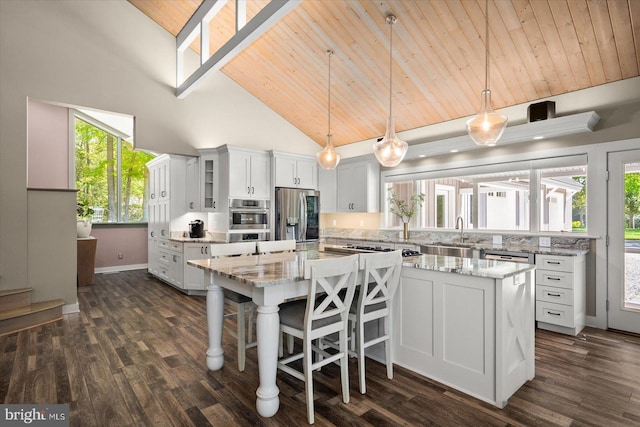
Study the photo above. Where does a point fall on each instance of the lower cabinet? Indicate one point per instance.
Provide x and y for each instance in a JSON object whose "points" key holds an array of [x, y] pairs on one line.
{"points": [[194, 277], [475, 334], [170, 264], [560, 293]]}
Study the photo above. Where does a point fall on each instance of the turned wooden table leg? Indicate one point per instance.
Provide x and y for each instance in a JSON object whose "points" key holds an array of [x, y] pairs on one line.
{"points": [[215, 317], [268, 326]]}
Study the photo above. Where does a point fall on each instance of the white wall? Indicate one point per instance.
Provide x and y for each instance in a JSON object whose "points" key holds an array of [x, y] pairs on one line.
{"points": [[108, 55]]}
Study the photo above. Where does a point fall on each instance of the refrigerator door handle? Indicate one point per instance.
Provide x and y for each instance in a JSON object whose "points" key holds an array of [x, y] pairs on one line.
{"points": [[303, 217]]}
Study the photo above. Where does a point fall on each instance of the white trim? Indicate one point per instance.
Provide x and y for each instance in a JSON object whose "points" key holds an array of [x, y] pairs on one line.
{"points": [[71, 308], [119, 268], [71, 134]]}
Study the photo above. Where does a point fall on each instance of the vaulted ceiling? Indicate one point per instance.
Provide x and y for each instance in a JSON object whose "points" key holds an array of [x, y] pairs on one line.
{"points": [[539, 48]]}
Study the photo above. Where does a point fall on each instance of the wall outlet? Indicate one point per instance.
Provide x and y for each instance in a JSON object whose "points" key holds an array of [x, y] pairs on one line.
{"points": [[120, 255], [361, 223], [334, 222], [497, 239], [544, 242]]}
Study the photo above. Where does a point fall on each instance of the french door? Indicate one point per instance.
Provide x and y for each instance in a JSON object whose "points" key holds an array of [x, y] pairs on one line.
{"points": [[623, 252]]}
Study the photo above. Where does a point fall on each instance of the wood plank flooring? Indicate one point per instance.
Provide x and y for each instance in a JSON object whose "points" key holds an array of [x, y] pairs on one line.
{"points": [[134, 356]]}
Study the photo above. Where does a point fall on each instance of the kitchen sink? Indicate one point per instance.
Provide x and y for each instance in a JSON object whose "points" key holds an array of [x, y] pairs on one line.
{"points": [[447, 251]]}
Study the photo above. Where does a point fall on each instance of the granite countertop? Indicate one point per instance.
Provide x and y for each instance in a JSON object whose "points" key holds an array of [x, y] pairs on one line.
{"points": [[277, 269], [467, 266], [480, 246]]}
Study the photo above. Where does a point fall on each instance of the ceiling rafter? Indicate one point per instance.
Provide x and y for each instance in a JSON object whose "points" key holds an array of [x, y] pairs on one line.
{"points": [[246, 32]]}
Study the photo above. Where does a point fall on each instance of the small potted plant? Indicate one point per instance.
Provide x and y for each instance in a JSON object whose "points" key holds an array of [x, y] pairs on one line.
{"points": [[84, 214], [403, 209]]}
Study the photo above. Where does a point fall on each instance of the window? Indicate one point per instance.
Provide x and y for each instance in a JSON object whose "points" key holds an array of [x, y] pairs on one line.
{"points": [[563, 199], [501, 199], [110, 175]]}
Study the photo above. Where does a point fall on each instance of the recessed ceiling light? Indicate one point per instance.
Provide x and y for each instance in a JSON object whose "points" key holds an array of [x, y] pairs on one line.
{"points": [[422, 155], [538, 137], [454, 151]]}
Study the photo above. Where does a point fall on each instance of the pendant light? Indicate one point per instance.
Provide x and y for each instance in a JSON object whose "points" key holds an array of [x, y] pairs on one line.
{"points": [[486, 127], [328, 158], [390, 150]]}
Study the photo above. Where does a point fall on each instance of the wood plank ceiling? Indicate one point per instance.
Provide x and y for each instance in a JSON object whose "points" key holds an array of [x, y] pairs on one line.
{"points": [[539, 48]]}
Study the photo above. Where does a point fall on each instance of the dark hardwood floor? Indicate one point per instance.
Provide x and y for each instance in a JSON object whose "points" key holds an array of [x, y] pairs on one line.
{"points": [[134, 355]]}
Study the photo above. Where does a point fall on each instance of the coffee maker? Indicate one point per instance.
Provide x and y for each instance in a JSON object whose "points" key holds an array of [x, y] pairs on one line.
{"points": [[196, 229]]}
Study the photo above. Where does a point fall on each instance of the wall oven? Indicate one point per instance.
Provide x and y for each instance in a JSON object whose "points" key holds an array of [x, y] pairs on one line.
{"points": [[248, 215]]}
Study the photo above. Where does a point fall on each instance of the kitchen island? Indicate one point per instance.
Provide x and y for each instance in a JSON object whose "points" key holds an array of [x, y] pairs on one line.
{"points": [[471, 320]]}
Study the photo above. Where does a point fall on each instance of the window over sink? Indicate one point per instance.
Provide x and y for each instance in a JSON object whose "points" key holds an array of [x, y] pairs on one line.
{"points": [[499, 197]]}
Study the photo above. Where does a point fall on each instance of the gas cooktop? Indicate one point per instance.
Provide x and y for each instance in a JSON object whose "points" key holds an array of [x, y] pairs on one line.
{"points": [[368, 249]]}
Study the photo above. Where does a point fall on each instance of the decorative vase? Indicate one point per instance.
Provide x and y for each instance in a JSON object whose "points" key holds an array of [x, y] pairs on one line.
{"points": [[405, 230], [84, 228]]}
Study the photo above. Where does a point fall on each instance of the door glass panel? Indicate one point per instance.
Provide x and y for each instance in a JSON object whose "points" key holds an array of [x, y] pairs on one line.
{"points": [[632, 236]]}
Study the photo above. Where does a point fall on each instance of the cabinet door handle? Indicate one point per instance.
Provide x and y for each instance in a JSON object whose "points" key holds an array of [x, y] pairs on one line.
{"points": [[253, 190], [162, 232], [153, 234], [163, 194], [201, 252], [248, 190], [214, 205], [153, 195], [206, 249], [190, 205]]}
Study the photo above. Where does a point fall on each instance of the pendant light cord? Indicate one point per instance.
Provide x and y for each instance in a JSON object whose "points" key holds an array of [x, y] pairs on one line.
{"points": [[391, 19], [486, 42], [329, 53]]}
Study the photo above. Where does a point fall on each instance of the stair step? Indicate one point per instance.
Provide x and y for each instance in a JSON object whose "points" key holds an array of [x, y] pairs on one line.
{"points": [[39, 313], [14, 298]]}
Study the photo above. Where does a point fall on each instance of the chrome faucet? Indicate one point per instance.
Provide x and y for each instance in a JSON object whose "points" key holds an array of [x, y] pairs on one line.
{"points": [[460, 226]]}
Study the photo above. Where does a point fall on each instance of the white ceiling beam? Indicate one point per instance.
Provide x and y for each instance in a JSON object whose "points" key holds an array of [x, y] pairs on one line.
{"points": [[205, 12], [253, 29], [241, 14]]}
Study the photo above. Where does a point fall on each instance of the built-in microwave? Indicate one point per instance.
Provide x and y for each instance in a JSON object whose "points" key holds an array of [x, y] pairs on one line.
{"points": [[248, 214]]}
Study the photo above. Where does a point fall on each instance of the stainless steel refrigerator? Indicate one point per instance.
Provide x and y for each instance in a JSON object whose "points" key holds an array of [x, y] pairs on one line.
{"points": [[297, 214]]}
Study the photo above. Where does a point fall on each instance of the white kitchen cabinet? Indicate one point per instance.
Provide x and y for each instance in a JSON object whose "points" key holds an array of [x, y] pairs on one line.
{"points": [[560, 293], [327, 185], [358, 187], [192, 190], [209, 180], [167, 184], [244, 174], [295, 171], [473, 333], [193, 276], [170, 263]]}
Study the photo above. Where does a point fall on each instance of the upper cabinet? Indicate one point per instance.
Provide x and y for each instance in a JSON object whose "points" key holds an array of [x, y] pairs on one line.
{"points": [[245, 174], [295, 171], [327, 184], [358, 186], [209, 180], [192, 190]]}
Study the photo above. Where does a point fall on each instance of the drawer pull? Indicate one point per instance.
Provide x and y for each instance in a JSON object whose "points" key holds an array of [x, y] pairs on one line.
{"points": [[553, 278], [553, 295], [553, 262], [552, 313]]}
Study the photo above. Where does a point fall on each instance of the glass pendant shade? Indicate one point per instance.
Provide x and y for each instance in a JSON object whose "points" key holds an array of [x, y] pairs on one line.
{"points": [[390, 150], [486, 127], [328, 158]]}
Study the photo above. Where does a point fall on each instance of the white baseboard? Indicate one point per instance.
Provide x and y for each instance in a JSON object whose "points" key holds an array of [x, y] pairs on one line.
{"points": [[71, 308], [118, 268]]}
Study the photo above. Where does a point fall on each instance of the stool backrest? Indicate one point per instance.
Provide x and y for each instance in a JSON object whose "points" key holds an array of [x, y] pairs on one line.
{"points": [[273, 246], [380, 278], [230, 249], [327, 303]]}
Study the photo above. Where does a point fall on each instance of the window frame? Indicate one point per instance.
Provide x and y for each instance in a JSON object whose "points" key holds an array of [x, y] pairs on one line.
{"points": [[479, 166], [76, 114]]}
